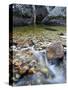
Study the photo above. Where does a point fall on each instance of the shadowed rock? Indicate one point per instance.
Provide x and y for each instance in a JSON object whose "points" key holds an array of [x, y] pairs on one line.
{"points": [[55, 52]]}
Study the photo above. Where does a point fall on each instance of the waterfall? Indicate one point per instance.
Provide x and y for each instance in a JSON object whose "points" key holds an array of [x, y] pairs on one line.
{"points": [[34, 14], [42, 59], [39, 56], [50, 67], [56, 72]]}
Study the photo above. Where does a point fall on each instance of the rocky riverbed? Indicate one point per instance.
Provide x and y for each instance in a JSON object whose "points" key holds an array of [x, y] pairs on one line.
{"points": [[38, 58]]}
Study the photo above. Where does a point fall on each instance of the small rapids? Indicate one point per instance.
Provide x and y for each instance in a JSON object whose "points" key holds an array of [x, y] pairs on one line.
{"points": [[56, 72], [53, 69]]}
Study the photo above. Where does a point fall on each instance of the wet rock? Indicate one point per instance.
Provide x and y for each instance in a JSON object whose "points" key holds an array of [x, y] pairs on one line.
{"points": [[33, 63], [44, 70], [18, 55], [63, 40], [25, 43], [14, 61], [21, 43], [30, 42], [29, 53], [17, 76], [55, 50], [17, 63], [23, 69], [32, 70], [61, 33], [12, 43], [45, 44]]}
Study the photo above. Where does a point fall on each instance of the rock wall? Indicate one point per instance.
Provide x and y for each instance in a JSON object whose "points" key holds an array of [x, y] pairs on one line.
{"points": [[23, 15]]}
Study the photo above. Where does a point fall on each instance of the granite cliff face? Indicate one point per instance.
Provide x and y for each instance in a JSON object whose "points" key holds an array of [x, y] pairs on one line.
{"points": [[56, 16], [23, 15]]}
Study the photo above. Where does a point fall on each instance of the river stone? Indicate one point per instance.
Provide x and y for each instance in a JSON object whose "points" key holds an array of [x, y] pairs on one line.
{"points": [[30, 42], [33, 63], [55, 50], [17, 76], [32, 70], [22, 43], [44, 70], [23, 69]]}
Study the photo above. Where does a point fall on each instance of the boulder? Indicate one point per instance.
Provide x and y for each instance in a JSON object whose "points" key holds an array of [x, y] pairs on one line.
{"points": [[55, 50]]}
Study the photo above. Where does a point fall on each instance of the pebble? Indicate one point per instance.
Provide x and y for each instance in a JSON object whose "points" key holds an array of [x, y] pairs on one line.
{"points": [[17, 76]]}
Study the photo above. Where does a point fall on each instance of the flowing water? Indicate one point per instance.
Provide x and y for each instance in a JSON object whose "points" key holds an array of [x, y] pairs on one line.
{"points": [[38, 78], [56, 71], [41, 33]]}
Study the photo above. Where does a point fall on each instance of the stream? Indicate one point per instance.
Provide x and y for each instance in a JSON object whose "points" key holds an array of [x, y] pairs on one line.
{"points": [[57, 72]]}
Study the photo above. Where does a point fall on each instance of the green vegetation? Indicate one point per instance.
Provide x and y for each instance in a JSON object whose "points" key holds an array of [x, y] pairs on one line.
{"points": [[57, 17]]}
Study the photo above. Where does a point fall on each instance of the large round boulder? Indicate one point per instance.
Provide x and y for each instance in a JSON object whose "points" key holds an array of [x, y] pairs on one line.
{"points": [[55, 50]]}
